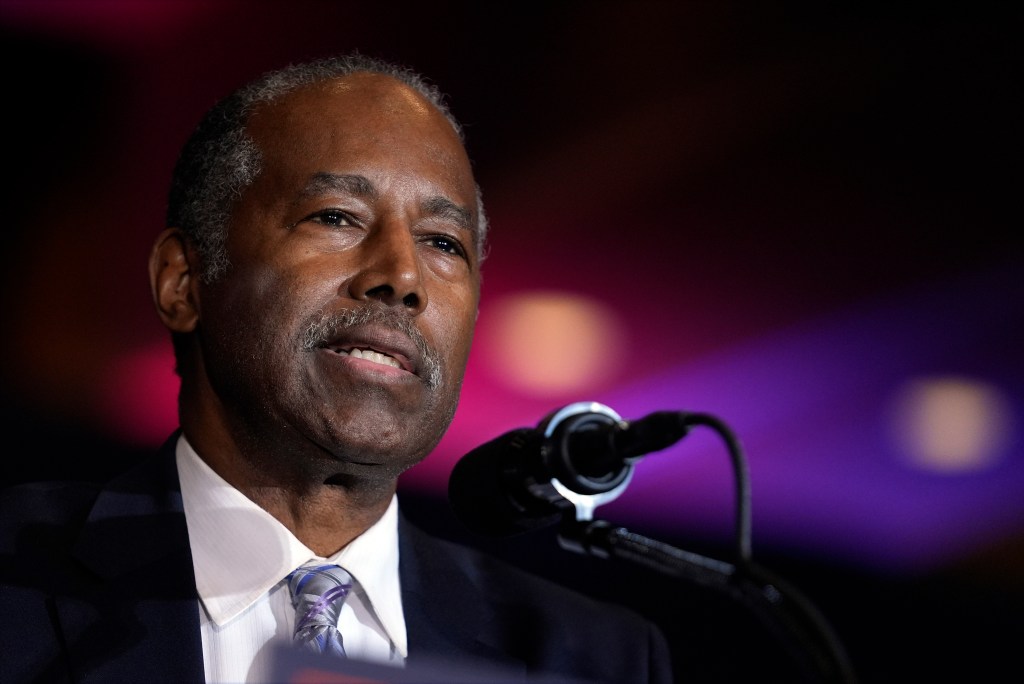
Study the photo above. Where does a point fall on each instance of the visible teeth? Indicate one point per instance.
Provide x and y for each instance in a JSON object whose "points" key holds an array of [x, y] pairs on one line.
{"points": [[376, 357]]}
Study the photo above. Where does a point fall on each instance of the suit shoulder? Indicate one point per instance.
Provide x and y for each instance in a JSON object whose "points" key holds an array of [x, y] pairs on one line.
{"points": [[43, 514], [501, 579], [50, 500], [554, 628]]}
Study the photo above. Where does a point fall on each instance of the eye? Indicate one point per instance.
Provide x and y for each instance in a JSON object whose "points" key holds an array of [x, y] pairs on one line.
{"points": [[333, 217], [448, 245]]}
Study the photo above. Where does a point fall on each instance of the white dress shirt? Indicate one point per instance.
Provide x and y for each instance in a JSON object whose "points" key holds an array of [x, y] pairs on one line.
{"points": [[242, 554]]}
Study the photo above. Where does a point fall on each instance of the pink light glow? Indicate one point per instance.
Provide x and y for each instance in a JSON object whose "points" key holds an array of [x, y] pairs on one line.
{"points": [[139, 404], [110, 22]]}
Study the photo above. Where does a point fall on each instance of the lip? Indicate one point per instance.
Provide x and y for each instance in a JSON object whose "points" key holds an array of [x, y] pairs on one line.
{"points": [[381, 339]]}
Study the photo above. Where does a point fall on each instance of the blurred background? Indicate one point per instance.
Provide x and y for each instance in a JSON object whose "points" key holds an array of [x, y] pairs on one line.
{"points": [[802, 219]]}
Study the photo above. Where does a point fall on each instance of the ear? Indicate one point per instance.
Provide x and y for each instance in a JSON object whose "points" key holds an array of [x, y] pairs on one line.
{"points": [[172, 276]]}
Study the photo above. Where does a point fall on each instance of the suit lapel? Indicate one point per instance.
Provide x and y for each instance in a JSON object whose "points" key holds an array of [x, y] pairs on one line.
{"points": [[447, 615], [137, 611]]}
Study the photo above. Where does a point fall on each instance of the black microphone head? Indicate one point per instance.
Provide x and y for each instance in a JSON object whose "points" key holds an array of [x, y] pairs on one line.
{"points": [[493, 490]]}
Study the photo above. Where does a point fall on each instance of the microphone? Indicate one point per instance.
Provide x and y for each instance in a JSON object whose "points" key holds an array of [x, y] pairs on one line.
{"points": [[578, 457]]}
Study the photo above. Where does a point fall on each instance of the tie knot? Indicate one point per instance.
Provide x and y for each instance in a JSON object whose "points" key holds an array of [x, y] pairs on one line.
{"points": [[318, 578], [318, 593]]}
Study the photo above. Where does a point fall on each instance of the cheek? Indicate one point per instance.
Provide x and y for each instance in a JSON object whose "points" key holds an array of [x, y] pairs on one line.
{"points": [[251, 295], [257, 305], [456, 323]]}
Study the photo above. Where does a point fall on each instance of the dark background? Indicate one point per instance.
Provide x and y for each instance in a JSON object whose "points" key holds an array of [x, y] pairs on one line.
{"points": [[738, 183]]}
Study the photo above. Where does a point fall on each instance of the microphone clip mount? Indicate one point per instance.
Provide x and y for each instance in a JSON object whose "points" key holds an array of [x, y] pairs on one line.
{"points": [[585, 492]]}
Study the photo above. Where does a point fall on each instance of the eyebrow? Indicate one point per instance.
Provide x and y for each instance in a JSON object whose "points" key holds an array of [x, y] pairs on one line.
{"points": [[337, 182], [445, 208], [355, 184]]}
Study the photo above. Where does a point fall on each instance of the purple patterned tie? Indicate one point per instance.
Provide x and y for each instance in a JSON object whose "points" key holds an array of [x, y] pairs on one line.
{"points": [[318, 592]]}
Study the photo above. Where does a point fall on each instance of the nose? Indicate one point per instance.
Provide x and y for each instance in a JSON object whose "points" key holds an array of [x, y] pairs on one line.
{"points": [[389, 269]]}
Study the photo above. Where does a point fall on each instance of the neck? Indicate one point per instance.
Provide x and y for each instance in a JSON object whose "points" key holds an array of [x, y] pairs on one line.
{"points": [[325, 518], [325, 510]]}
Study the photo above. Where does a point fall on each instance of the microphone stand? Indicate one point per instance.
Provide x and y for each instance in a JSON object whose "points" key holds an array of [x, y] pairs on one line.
{"points": [[777, 604]]}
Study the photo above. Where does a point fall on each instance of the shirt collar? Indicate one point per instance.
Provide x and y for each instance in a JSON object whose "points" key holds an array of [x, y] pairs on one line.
{"points": [[240, 551]]}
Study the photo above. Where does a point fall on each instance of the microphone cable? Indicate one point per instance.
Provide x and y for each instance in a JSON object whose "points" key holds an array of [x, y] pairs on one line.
{"points": [[779, 604]]}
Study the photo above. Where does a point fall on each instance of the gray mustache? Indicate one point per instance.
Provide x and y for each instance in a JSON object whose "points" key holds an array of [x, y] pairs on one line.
{"points": [[327, 326]]}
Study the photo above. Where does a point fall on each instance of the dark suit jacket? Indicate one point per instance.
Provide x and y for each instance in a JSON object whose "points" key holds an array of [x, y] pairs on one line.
{"points": [[96, 585]]}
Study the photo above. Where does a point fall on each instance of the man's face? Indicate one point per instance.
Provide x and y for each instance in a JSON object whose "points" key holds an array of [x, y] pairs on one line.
{"points": [[340, 334]]}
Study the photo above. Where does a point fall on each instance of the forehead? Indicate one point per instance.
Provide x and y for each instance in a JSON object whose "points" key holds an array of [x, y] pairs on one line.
{"points": [[362, 113]]}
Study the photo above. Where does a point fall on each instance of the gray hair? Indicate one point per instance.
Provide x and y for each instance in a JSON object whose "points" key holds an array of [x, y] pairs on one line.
{"points": [[219, 160]]}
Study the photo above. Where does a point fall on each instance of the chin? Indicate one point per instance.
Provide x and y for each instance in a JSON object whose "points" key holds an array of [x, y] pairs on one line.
{"points": [[385, 453], [387, 436]]}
